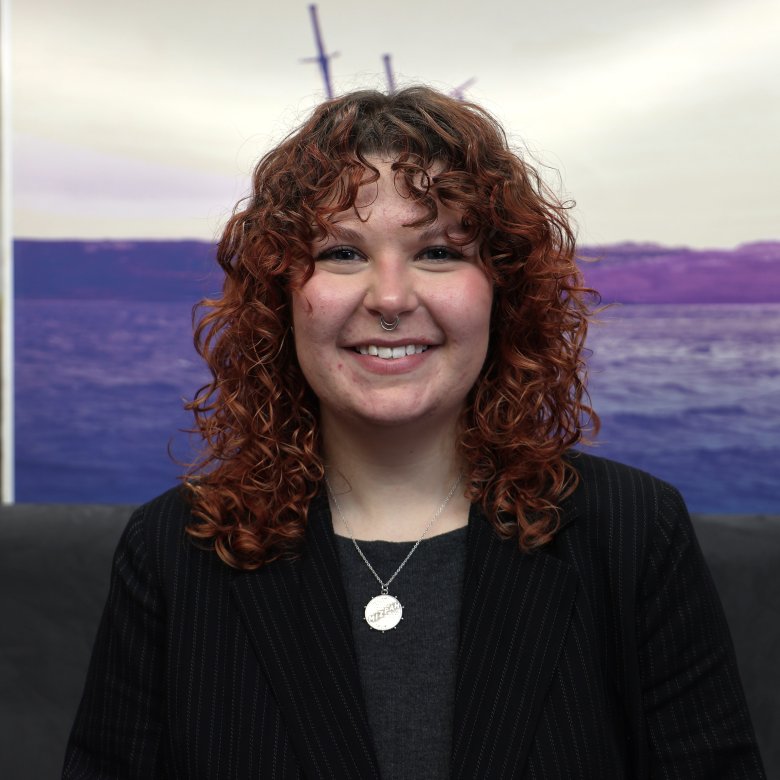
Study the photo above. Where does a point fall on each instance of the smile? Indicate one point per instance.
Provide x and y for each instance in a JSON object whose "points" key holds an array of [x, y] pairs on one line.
{"points": [[391, 353]]}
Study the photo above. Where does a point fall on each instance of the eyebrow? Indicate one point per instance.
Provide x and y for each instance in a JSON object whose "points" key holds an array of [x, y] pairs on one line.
{"points": [[437, 231]]}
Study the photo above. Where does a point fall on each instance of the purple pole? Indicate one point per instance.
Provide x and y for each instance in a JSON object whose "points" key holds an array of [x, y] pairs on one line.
{"points": [[322, 58], [389, 73]]}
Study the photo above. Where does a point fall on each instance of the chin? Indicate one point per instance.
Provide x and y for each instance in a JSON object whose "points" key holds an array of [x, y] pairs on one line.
{"points": [[399, 417]]}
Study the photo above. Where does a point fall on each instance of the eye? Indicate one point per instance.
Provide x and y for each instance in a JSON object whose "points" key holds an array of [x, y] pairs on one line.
{"points": [[344, 254], [440, 254]]}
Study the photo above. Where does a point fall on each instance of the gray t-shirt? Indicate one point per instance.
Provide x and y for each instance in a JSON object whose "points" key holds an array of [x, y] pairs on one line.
{"points": [[408, 673]]}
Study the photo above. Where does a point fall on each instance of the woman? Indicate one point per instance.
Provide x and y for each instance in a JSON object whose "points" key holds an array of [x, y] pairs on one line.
{"points": [[390, 561]]}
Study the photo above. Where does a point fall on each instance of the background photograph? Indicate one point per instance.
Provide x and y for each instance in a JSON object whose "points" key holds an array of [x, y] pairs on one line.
{"points": [[135, 129]]}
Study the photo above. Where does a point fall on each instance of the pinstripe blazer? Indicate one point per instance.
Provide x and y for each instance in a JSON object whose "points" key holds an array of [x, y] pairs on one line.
{"points": [[604, 655]]}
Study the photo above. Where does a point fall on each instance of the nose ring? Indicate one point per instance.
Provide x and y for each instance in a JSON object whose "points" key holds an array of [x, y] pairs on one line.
{"points": [[389, 325]]}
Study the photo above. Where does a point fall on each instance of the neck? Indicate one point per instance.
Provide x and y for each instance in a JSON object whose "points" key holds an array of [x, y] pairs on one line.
{"points": [[389, 483]]}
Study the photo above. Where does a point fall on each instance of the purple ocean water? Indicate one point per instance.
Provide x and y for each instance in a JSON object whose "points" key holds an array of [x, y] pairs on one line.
{"points": [[690, 392], [686, 375]]}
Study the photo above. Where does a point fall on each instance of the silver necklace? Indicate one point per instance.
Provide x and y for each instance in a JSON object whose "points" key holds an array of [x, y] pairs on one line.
{"points": [[384, 611]]}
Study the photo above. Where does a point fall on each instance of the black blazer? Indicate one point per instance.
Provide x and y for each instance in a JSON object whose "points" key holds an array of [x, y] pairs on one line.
{"points": [[604, 655]]}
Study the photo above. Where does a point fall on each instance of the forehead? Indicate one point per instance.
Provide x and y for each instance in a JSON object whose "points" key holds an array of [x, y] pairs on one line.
{"points": [[386, 191]]}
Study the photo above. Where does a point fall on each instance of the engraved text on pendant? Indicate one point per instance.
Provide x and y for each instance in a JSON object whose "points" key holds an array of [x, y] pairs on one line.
{"points": [[383, 612]]}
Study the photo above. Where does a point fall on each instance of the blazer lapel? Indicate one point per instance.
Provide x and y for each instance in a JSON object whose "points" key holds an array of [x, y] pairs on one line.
{"points": [[296, 615], [514, 619]]}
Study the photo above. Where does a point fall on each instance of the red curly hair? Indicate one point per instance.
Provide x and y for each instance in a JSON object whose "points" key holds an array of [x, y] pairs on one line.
{"points": [[261, 465]]}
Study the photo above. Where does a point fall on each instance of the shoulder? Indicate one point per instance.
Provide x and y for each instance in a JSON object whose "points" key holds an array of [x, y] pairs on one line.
{"points": [[168, 511], [602, 478], [163, 517], [609, 490], [661, 626], [155, 537], [624, 513]]}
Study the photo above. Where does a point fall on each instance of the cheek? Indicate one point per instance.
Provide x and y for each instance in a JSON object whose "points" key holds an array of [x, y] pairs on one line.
{"points": [[475, 330], [304, 332], [472, 308], [309, 318], [301, 308], [315, 325], [322, 303]]}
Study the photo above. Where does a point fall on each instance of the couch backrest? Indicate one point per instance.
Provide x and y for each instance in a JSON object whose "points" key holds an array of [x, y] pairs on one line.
{"points": [[743, 553]]}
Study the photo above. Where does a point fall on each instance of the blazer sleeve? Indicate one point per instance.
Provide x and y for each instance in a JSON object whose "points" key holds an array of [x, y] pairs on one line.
{"points": [[118, 727], [695, 710]]}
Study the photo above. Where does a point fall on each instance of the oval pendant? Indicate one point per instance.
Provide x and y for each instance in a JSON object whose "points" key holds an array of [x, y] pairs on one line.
{"points": [[383, 612]]}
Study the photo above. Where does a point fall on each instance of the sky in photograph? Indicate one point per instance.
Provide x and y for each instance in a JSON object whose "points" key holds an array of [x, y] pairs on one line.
{"points": [[143, 119]]}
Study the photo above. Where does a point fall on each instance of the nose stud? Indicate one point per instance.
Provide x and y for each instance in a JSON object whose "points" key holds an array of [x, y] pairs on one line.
{"points": [[389, 325]]}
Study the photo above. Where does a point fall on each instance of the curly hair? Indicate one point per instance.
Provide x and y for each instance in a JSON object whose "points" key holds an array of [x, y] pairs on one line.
{"points": [[261, 461]]}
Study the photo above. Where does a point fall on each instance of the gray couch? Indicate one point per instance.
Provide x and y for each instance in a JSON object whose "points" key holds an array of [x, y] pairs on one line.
{"points": [[54, 567]]}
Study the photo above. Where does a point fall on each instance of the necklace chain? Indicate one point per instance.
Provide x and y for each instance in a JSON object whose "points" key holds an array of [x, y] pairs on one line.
{"points": [[436, 515]]}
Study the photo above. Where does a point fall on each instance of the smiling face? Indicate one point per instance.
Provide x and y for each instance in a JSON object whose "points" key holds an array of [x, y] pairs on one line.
{"points": [[373, 266]]}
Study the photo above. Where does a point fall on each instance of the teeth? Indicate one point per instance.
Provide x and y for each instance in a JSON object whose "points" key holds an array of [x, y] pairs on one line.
{"points": [[390, 353]]}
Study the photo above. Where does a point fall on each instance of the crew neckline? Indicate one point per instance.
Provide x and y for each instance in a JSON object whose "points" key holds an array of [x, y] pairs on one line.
{"points": [[454, 533]]}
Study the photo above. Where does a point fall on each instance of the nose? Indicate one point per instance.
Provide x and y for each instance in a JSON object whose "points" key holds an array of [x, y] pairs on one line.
{"points": [[392, 289]]}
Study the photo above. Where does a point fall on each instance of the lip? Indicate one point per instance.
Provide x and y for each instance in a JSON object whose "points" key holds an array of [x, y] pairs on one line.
{"points": [[395, 352], [391, 366], [385, 342]]}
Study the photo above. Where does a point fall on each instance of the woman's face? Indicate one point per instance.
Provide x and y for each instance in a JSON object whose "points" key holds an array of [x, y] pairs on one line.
{"points": [[372, 266]]}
